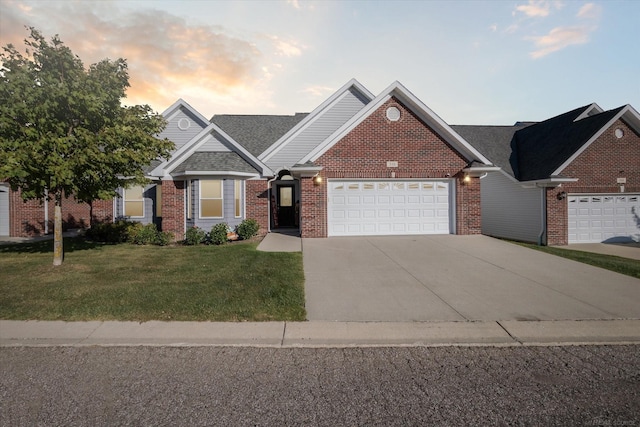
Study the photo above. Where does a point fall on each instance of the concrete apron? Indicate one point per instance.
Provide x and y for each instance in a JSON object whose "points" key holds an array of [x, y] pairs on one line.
{"points": [[456, 278], [317, 334]]}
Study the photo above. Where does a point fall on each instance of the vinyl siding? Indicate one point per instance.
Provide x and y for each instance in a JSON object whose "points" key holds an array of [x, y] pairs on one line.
{"points": [[510, 211], [213, 143], [228, 204], [322, 127], [178, 136], [149, 196]]}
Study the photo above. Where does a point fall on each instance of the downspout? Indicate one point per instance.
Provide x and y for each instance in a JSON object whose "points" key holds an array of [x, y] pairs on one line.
{"points": [[46, 211], [543, 217]]}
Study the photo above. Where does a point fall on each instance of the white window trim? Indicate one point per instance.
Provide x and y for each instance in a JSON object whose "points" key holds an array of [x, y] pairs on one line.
{"points": [[200, 198], [124, 202], [238, 187]]}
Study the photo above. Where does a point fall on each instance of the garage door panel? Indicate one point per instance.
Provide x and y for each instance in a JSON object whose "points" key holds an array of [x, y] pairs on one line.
{"points": [[601, 218], [388, 207]]}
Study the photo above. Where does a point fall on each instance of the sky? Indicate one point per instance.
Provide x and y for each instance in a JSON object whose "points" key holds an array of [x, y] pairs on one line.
{"points": [[471, 62]]}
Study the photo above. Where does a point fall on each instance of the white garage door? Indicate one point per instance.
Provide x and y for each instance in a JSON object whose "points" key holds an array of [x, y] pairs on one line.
{"points": [[368, 208], [4, 210], [597, 218]]}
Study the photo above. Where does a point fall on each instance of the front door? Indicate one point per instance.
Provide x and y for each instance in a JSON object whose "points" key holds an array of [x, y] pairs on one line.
{"points": [[286, 206]]}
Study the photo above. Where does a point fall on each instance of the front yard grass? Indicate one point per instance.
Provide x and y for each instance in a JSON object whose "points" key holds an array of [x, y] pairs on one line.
{"points": [[618, 264], [233, 282]]}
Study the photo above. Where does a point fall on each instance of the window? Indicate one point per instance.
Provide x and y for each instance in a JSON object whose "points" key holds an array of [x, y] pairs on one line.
{"points": [[189, 199], [134, 202], [237, 193], [211, 198], [368, 186]]}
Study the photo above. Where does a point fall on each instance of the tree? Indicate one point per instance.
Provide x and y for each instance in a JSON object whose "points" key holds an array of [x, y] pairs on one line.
{"points": [[64, 131]]}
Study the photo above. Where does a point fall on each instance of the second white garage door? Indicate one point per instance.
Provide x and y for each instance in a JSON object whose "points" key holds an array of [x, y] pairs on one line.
{"points": [[595, 218], [371, 208]]}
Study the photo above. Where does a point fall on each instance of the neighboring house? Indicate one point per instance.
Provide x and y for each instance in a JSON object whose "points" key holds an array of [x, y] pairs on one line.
{"points": [[356, 165], [573, 178]]}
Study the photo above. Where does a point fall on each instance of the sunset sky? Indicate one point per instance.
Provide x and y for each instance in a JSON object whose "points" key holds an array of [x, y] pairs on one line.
{"points": [[472, 62]]}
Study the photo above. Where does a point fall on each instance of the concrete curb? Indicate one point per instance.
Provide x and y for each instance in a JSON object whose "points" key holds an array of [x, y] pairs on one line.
{"points": [[318, 334]]}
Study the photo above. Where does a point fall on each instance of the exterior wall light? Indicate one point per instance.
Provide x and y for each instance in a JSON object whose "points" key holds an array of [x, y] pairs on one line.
{"points": [[317, 180], [562, 195], [466, 179]]}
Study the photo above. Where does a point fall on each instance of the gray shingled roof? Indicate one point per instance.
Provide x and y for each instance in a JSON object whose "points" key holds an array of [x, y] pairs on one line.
{"points": [[544, 147], [494, 142], [531, 151], [256, 133], [215, 161]]}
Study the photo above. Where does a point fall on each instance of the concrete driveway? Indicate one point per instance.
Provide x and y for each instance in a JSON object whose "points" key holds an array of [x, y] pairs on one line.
{"points": [[448, 277]]}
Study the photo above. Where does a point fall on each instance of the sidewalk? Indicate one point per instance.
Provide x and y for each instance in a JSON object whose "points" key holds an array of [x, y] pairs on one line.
{"points": [[318, 334]]}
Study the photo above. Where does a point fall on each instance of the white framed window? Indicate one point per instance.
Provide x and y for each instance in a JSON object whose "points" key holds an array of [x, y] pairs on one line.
{"points": [[237, 194], [134, 202], [211, 198]]}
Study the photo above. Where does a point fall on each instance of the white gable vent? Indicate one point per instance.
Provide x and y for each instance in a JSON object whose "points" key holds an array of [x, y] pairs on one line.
{"points": [[184, 124], [393, 114]]}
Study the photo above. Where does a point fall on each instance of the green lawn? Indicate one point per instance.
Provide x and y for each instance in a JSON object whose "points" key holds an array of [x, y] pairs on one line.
{"points": [[233, 282], [618, 264]]}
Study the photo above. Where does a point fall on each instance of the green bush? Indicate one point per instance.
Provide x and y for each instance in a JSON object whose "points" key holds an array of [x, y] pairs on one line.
{"points": [[194, 236], [111, 232], [218, 233], [146, 235], [247, 229], [164, 238]]}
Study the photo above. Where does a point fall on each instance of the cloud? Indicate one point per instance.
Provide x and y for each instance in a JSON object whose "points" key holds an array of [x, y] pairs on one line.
{"points": [[294, 3], [559, 38], [534, 8], [493, 28], [590, 11], [287, 48], [168, 57], [317, 91]]}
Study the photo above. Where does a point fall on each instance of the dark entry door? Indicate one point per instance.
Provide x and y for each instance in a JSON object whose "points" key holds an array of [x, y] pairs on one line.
{"points": [[286, 206]]}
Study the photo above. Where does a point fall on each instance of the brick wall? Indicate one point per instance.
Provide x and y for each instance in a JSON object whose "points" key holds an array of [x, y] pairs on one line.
{"points": [[468, 215], [597, 169], [173, 203], [313, 208], [28, 218], [257, 203], [364, 153]]}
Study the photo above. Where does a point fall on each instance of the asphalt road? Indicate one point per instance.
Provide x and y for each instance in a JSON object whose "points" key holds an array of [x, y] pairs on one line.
{"points": [[231, 386]]}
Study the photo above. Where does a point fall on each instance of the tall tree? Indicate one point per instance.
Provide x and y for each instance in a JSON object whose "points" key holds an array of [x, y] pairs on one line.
{"points": [[64, 131]]}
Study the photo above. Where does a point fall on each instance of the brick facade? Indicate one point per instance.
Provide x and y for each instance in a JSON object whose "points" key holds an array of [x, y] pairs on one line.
{"points": [[173, 206], [364, 152], [257, 203], [28, 218], [597, 169]]}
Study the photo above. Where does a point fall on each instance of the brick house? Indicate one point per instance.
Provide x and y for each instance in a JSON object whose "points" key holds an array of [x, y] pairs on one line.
{"points": [[356, 165], [361, 164], [574, 178]]}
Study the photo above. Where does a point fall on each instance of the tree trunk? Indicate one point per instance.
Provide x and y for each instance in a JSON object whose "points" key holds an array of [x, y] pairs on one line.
{"points": [[58, 253]]}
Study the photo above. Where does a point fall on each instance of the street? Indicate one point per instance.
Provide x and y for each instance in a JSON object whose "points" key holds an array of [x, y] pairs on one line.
{"points": [[235, 386]]}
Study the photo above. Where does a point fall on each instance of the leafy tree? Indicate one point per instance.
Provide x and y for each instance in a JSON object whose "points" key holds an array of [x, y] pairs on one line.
{"points": [[63, 130]]}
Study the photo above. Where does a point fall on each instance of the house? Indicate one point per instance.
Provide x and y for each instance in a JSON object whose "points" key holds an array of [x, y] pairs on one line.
{"points": [[573, 178], [364, 165], [358, 164]]}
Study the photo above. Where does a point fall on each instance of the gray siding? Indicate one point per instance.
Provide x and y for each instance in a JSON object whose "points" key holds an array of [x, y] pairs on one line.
{"points": [[213, 143], [178, 136], [319, 130], [510, 211], [228, 207], [149, 196]]}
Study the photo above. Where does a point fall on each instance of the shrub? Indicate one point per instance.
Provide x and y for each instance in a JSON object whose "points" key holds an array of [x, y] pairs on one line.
{"points": [[164, 238], [247, 229], [111, 232], [218, 233], [146, 235], [194, 236]]}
